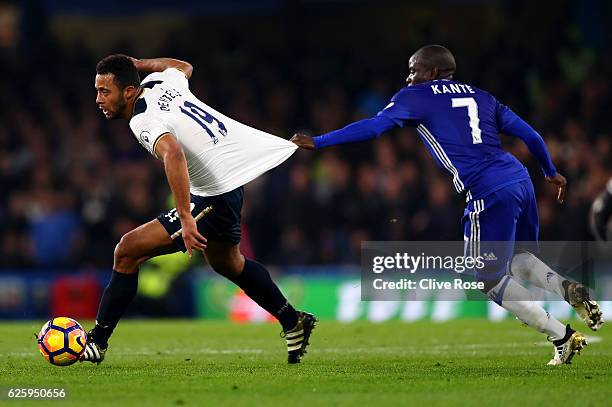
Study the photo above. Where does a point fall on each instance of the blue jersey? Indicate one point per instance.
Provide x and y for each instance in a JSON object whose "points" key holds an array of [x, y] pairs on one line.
{"points": [[460, 126]]}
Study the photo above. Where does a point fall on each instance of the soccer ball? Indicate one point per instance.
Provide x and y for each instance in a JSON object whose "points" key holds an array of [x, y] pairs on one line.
{"points": [[62, 341]]}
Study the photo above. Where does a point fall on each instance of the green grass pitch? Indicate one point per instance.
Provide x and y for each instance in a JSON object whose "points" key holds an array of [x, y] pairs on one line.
{"points": [[466, 362]]}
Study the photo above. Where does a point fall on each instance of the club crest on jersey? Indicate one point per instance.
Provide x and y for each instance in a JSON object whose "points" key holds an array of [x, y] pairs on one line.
{"points": [[145, 138]]}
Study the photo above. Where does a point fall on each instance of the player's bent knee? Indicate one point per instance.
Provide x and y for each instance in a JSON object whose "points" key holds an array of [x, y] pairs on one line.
{"points": [[125, 259], [122, 249]]}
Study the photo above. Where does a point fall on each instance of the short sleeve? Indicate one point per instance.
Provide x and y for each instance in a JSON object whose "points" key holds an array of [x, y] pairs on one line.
{"points": [[173, 76], [404, 106], [148, 130]]}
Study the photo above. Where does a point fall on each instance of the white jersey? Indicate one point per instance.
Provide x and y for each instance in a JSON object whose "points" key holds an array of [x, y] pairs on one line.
{"points": [[222, 154]]}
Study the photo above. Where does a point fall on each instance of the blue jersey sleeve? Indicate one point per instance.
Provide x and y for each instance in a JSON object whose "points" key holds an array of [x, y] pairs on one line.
{"points": [[510, 123], [404, 106], [359, 131]]}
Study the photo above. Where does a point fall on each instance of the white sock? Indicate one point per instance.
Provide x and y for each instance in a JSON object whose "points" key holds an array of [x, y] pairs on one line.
{"points": [[517, 299], [528, 267]]}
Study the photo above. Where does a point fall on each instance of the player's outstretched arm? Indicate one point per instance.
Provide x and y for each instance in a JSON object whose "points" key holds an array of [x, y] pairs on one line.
{"points": [[175, 165], [161, 64], [359, 131]]}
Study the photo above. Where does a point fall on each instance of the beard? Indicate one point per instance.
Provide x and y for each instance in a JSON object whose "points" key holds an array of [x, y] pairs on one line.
{"points": [[117, 111]]}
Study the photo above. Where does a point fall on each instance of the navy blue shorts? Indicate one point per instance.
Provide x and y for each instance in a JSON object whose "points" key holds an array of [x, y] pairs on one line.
{"points": [[223, 223], [497, 225]]}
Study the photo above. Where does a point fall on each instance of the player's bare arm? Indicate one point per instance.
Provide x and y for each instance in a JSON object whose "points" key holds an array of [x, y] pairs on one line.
{"points": [[161, 64], [170, 152]]}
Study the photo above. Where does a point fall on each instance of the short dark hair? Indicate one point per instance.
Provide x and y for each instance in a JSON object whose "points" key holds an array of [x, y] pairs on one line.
{"points": [[438, 56], [121, 67]]}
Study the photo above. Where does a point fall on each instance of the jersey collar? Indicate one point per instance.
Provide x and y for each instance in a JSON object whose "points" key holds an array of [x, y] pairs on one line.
{"points": [[138, 96]]}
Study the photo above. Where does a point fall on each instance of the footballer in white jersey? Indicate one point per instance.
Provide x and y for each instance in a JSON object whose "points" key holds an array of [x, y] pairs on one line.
{"points": [[207, 158]]}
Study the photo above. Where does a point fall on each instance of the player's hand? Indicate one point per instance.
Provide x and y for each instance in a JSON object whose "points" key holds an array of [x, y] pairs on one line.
{"points": [[303, 141], [192, 238], [561, 183]]}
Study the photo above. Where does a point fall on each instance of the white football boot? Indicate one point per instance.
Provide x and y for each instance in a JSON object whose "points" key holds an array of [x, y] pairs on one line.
{"points": [[565, 351]]}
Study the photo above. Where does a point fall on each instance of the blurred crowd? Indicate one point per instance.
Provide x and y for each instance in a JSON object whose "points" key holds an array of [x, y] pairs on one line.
{"points": [[73, 183]]}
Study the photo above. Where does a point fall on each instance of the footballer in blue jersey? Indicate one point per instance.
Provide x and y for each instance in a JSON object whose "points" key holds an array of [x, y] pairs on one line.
{"points": [[460, 125]]}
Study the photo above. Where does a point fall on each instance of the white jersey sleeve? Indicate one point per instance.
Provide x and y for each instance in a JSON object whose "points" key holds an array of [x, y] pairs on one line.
{"points": [[148, 130]]}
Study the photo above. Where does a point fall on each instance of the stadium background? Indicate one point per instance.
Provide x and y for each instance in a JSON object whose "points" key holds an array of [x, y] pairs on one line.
{"points": [[73, 183]]}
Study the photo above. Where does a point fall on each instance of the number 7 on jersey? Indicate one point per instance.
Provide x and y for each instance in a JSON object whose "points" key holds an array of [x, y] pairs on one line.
{"points": [[472, 110]]}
